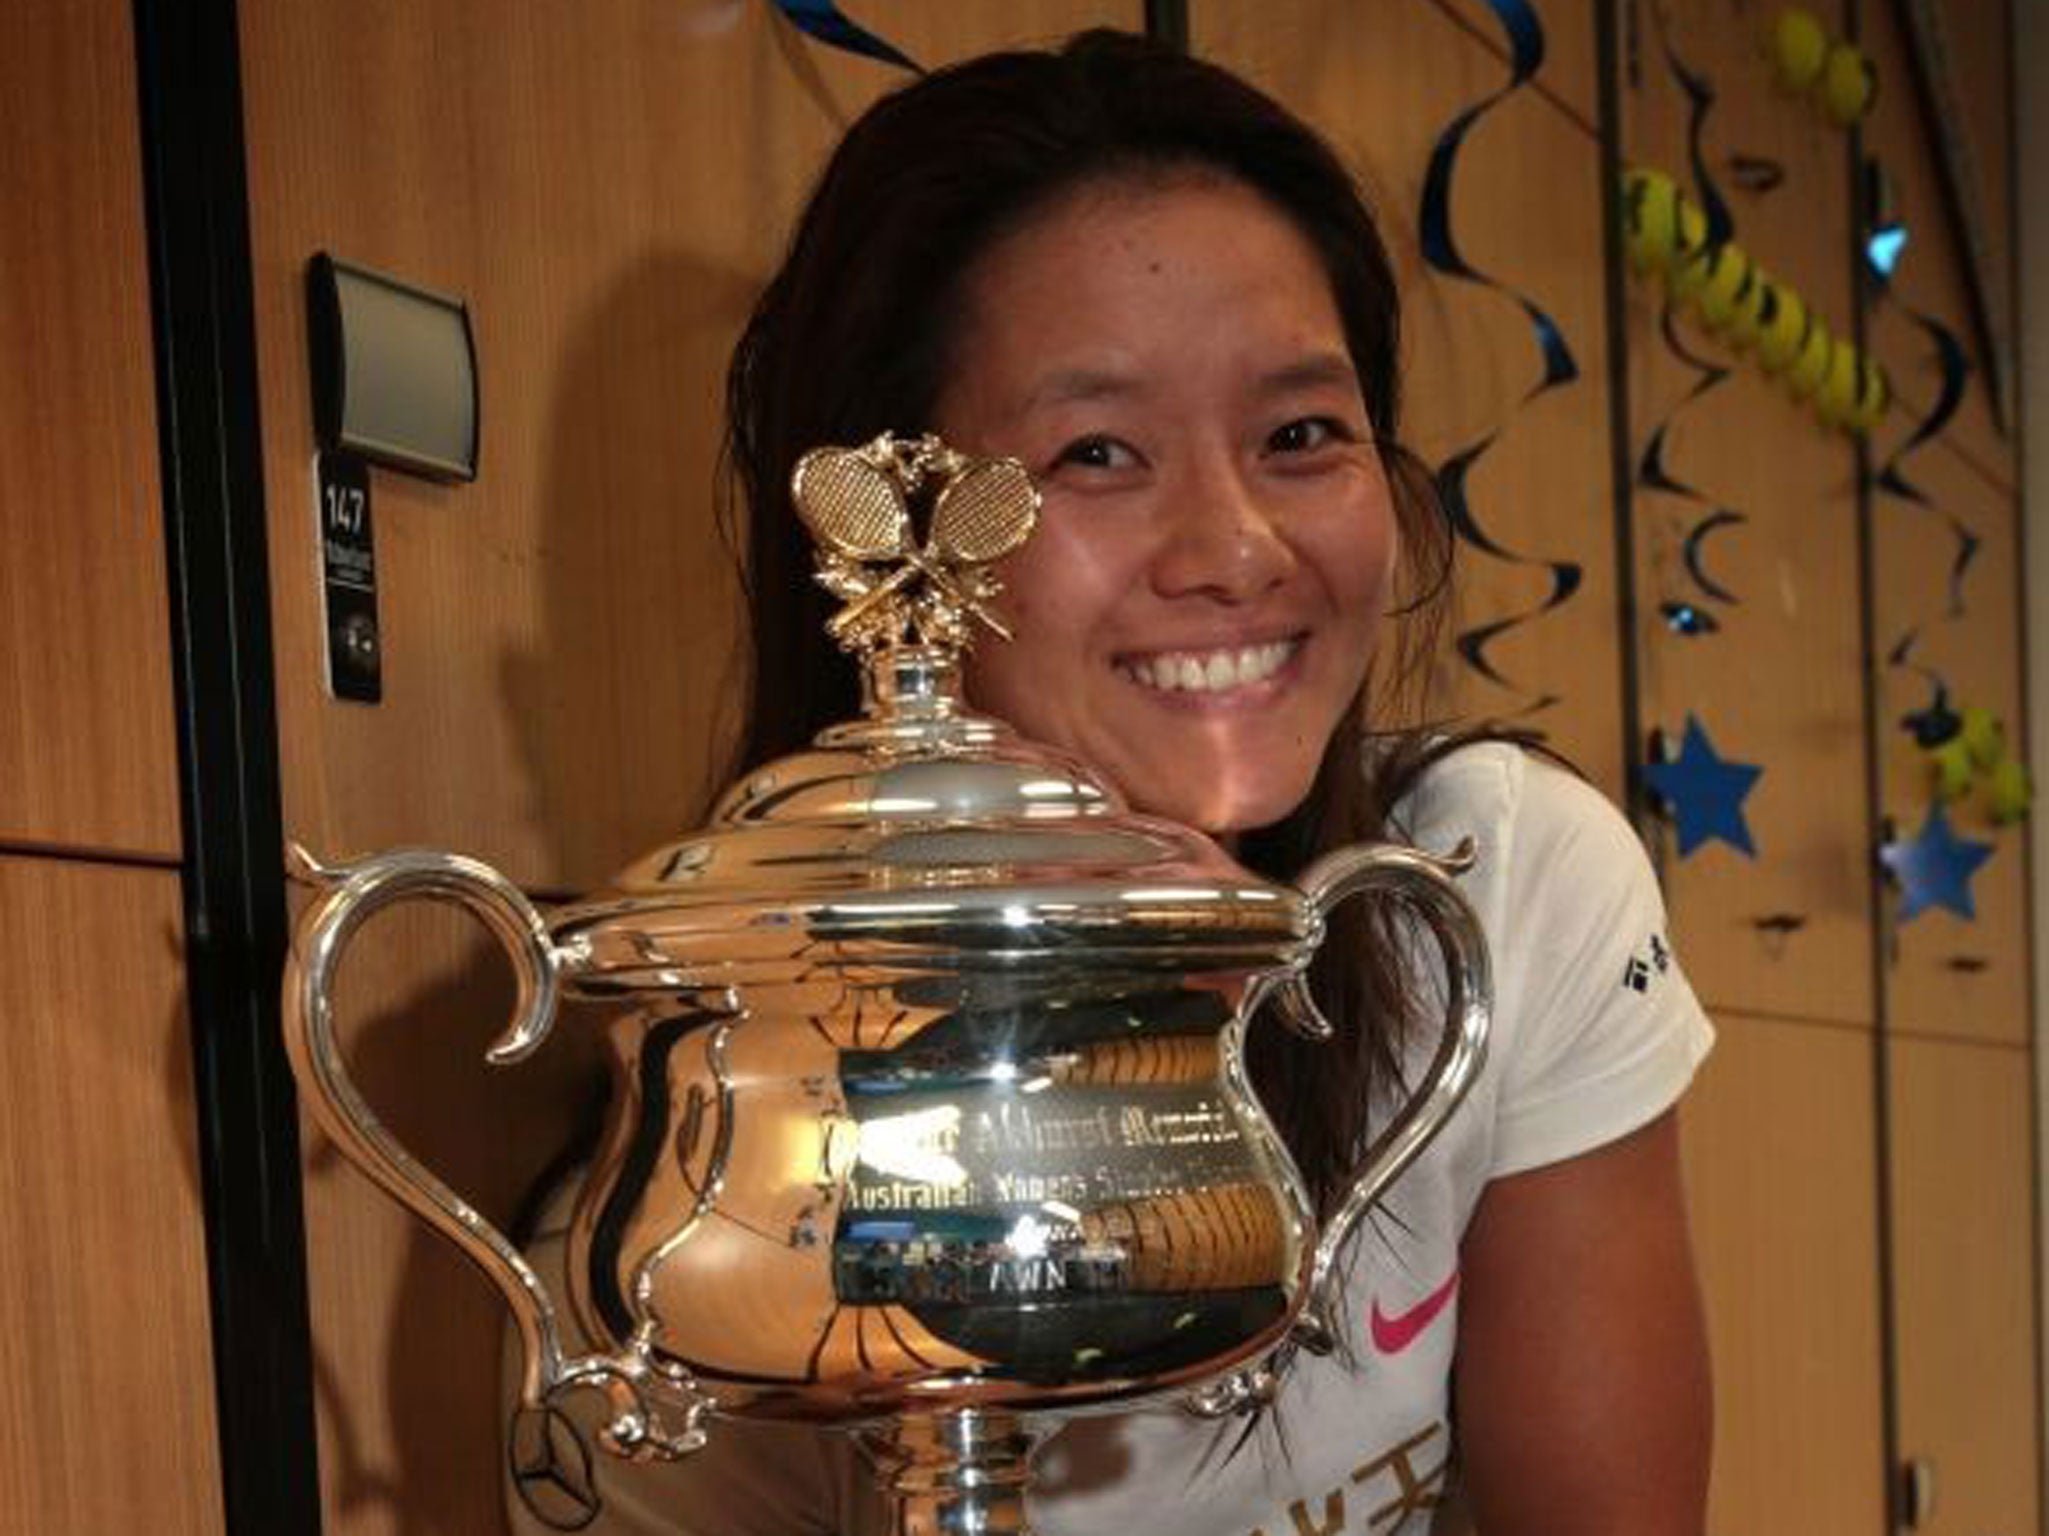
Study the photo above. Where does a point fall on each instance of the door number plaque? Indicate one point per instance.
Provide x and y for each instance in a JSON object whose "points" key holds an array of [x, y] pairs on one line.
{"points": [[348, 579]]}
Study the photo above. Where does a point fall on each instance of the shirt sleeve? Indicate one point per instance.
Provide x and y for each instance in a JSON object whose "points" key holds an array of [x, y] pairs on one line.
{"points": [[1601, 1030]]}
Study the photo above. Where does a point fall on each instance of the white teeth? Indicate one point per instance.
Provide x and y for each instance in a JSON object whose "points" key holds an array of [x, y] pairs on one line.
{"points": [[1210, 671]]}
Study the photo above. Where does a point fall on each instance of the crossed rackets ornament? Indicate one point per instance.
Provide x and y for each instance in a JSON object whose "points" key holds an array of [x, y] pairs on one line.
{"points": [[857, 503]]}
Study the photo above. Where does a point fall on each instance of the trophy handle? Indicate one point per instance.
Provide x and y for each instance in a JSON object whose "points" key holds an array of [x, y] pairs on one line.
{"points": [[1461, 1046], [348, 894]]}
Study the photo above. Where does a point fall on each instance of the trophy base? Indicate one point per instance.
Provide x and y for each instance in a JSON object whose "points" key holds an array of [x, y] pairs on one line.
{"points": [[957, 1473]]}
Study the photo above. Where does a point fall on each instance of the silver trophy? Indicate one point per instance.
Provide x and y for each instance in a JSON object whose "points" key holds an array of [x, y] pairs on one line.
{"points": [[932, 1120]]}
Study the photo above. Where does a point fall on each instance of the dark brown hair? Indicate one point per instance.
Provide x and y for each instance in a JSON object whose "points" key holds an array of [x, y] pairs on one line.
{"points": [[850, 339]]}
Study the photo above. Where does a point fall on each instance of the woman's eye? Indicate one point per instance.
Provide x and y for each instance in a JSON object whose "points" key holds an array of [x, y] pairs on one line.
{"points": [[1096, 453], [1307, 435]]}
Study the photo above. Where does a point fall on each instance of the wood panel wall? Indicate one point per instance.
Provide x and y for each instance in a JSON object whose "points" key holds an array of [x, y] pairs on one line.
{"points": [[106, 1375], [1780, 1143], [88, 754], [106, 1402], [1964, 1311]]}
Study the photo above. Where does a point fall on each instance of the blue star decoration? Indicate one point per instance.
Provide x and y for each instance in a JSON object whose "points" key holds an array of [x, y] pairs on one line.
{"points": [[1934, 867], [1704, 792]]}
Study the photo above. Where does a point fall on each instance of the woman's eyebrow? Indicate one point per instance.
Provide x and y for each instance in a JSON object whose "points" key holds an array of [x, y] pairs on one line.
{"points": [[1069, 385], [1066, 386], [1319, 370]]}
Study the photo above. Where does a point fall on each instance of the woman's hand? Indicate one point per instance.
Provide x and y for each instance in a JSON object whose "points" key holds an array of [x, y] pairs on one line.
{"points": [[1582, 1386]]}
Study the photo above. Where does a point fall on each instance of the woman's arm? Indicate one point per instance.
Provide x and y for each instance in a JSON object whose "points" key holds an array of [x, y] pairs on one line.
{"points": [[1583, 1398]]}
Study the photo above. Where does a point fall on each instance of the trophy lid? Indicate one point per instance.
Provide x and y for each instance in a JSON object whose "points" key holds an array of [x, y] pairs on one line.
{"points": [[923, 835]]}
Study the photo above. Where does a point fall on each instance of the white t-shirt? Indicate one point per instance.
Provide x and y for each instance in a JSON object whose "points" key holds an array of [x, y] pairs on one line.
{"points": [[1595, 1033]]}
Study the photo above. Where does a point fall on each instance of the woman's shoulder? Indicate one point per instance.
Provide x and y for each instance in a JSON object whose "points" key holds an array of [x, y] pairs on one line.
{"points": [[1560, 881], [1596, 1027], [1519, 805]]}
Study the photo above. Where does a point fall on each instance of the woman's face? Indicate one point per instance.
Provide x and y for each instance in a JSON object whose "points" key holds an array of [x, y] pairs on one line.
{"points": [[1197, 608]]}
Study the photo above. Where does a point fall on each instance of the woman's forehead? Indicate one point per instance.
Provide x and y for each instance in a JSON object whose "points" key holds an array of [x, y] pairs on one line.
{"points": [[1094, 299]]}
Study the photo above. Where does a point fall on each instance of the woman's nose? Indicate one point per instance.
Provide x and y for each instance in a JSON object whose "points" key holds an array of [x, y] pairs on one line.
{"points": [[1219, 537]]}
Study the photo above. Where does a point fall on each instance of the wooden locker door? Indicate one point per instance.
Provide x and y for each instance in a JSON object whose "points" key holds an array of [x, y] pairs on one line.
{"points": [[1947, 615], [1383, 82], [107, 1398], [1945, 537], [88, 744], [1964, 1288], [1782, 1178], [1960, 630], [1778, 684], [605, 185]]}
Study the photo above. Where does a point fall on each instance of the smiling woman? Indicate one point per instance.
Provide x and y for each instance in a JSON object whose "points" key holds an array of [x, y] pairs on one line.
{"points": [[1162, 293]]}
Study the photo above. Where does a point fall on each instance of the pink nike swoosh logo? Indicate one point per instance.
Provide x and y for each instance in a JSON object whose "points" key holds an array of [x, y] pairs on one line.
{"points": [[1392, 1335]]}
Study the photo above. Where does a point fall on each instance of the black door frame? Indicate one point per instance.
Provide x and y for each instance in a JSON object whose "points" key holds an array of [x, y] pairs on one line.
{"points": [[202, 315]]}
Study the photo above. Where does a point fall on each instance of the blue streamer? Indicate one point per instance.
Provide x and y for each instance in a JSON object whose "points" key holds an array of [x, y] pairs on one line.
{"points": [[1891, 478], [1690, 552], [1525, 35], [1700, 99], [1956, 374], [1936, 723], [1653, 471], [824, 21]]}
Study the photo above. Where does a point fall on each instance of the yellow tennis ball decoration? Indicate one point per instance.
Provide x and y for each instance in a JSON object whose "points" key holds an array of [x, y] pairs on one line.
{"points": [[2011, 793], [1650, 206], [1730, 276], [1798, 46], [1782, 326], [1746, 325], [1849, 84], [1950, 764], [1874, 395], [1836, 75], [1810, 366], [1665, 232], [1983, 736], [1975, 756], [1691, 256], [1835, 399]]}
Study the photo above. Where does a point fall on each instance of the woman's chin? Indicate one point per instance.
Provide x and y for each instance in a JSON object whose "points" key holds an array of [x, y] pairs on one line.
{"points": [[1226, 817]]}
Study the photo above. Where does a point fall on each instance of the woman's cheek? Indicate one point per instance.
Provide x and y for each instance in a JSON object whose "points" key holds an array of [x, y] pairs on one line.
{"points": [[1018, 603], [1038, 578]]}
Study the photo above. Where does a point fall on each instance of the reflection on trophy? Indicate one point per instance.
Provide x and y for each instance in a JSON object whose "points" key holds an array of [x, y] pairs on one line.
{"points": [[931, 1119]]}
